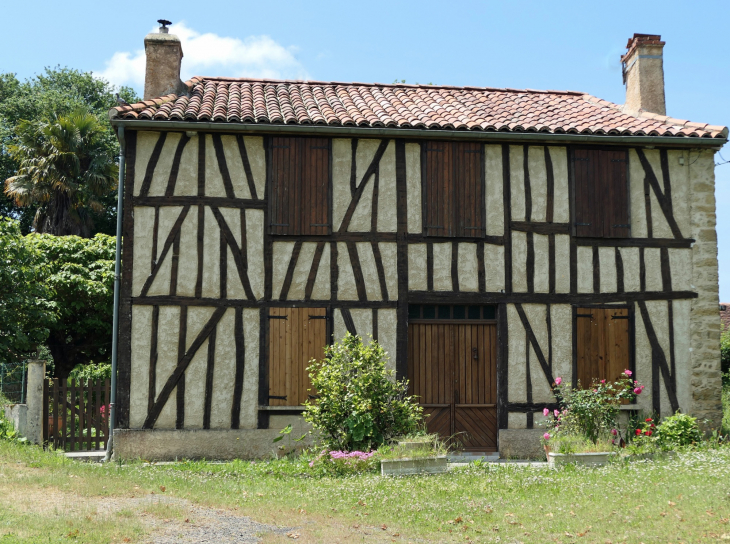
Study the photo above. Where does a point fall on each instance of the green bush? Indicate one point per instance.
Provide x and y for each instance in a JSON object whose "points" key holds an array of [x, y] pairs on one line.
{"points": [[678, 430], [359, 404], [725, 356]]}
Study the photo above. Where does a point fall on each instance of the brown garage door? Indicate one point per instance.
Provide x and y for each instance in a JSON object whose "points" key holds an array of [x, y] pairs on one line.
{"points": [[452, 367]]}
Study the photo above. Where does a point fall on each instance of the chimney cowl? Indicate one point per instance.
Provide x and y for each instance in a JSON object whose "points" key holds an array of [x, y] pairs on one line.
{"points": [[643, 74], [164, 55]]}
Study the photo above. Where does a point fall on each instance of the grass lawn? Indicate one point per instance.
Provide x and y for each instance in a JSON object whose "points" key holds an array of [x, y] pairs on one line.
{"points": [[46, 498]]}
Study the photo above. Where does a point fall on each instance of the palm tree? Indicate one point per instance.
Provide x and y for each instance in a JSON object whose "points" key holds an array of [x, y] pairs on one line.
{"points": [[64, 166]]}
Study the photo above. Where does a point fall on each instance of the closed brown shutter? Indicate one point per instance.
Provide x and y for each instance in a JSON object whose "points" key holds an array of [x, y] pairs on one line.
{"points": [[299, 200], [453, 189], [600, 194], [602, 343]]}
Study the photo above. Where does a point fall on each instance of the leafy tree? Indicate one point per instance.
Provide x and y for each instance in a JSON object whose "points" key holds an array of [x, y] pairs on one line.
{"points": [[26, 311], [65, 167], [359, 404], [725, 356], [79, 273], [56, 92]]}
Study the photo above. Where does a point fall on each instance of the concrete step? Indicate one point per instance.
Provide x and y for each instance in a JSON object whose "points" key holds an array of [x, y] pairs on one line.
{"points": [[471, 456], [88, 456]]}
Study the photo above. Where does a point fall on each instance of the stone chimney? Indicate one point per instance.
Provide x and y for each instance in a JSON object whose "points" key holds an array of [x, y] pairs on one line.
{"points": [[164, 54], [643, 69]]}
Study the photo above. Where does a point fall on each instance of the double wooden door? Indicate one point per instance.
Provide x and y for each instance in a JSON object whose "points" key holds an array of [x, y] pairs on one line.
{"points": [[452, 368]]}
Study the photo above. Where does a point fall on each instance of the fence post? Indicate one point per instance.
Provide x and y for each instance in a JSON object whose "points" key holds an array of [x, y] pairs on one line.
{"points": [[34, 421]]}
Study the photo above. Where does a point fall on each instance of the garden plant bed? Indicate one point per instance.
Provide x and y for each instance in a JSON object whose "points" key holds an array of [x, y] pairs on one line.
{"points": [[593, 459], [417, 465]]}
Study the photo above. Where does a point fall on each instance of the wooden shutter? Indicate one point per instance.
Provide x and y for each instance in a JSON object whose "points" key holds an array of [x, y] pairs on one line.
{"points": [[601, 193], [296, 335], [299, 200], [453, 189], [602, 343]]}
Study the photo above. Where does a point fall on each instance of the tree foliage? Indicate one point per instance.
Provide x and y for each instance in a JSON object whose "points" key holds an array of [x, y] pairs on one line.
{"points": [[79, 274], [725, 356], [64, 168], [359, 404], [55, 92], [26, 309]]}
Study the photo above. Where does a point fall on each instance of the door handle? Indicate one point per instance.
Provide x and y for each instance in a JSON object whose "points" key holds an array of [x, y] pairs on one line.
{"points": [[474, 353]]}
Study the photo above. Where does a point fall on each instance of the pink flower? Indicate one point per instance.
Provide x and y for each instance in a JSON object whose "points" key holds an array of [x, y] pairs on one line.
{"points": [[556, 413], [637, 391], [558, 380], [628, 372], [545, 412], [603, 381], [595, 390], [614, 432], [546, 436]]}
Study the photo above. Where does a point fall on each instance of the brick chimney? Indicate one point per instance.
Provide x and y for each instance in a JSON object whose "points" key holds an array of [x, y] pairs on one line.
{"points": [[643, 69], [164, 54]]}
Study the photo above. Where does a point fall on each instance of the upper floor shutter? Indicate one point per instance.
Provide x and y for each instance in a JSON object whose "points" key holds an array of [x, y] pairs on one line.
{"points": [[300, 181], [453, 189], [601, 193]]}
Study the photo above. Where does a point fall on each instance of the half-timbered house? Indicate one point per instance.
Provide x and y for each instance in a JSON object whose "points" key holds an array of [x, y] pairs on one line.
{"points": [[490, 239]]}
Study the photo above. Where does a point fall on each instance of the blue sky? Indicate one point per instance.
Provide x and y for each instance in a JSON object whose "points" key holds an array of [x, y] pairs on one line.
{"points": [[521, 44]]}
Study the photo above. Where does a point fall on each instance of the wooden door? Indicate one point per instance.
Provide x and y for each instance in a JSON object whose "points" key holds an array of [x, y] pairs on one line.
{"points": [[453, 370], [296, 335], [602, 344]]}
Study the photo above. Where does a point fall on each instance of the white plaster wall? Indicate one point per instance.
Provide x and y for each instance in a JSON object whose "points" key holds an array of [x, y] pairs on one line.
{"points": [[249, 399], [366, 149], [658, 220], [682, 310], [341, 164], [235, 167], [442, 267], [516, 420], [164, 164], [585, 270], [607, 261], [257, 160], [493, 268], [346, 288], [161, 283], [413, 187], [659, 315], [519, 262], [561, 193], [145, 145], [187, 270], [680, 264], [537, 316], [339, 329], [362, 218], [213, 178], [516, 384], [187, 175], [653, 265], [562, 263], [140, 364], [517, 182], [541, 246], [144, 220], [387, 199], [369, 271], [538, 181], [211, 256], [224, 371], [417, 273], [389, 255], [642, 362], [679, 177], [322, 289], [387, 327], [494, 193], [636, 196], [562, 336], [301, 271], [234, 287], [468, 268], [167, 358], [196, 371], [363, 319], [630, 260], [255, 250], [281, 255]]}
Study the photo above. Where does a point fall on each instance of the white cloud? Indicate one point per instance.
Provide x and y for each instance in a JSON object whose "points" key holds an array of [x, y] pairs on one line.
{"points": [[212, 55]]}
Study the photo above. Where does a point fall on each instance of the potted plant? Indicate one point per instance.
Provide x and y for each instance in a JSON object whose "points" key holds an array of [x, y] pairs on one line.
{"points": [[584, 430], [419, 454]]}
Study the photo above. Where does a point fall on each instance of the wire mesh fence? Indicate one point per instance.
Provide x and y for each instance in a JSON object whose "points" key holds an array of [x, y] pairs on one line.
{"points": [[12, 382]]}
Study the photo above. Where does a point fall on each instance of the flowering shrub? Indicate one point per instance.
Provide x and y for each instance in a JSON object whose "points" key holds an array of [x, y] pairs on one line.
{"points": [[343, 463], [592, 412], [678, 430], [359, 404]]}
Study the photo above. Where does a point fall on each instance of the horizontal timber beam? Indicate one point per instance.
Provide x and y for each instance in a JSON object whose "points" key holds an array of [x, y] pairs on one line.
{"points": [[420, 238], [541, 228], [169, 300], [217, 201], [634, 242], [427, 134], [448, 297]]}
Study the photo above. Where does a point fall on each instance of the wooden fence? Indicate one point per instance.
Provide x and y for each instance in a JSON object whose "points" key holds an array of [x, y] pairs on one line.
{"points": [[77, 414]]}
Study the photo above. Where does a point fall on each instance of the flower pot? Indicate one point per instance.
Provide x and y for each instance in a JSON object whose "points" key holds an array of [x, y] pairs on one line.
{"points": [[409, 445], [419, 465], [597, 459]]}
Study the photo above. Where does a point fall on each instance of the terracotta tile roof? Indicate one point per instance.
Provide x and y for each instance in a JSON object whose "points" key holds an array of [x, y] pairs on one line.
{"points": [[405, 106], [725, 315]]}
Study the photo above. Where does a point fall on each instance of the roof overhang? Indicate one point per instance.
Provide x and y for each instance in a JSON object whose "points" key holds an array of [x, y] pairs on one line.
{"points": [[421, 134]]}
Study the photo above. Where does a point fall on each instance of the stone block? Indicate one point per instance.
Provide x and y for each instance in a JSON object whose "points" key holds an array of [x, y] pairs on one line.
{"points": [[521, 444]]}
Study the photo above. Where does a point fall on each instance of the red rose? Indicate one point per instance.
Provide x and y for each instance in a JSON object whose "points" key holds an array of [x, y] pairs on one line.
{"points": [[638, 432], [652, 425], [648, 419], [647, 433]]}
